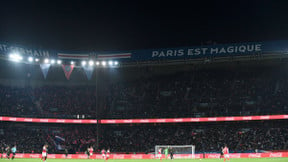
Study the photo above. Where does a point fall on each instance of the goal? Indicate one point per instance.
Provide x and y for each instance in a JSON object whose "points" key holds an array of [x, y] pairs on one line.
{"points": [[179, 151]]}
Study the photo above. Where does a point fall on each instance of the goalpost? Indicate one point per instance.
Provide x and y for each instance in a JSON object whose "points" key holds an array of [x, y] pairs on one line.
{"points": [[187, 151]]}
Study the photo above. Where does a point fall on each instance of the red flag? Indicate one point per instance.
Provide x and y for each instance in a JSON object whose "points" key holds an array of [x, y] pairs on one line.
{"points": [[68, 70]]}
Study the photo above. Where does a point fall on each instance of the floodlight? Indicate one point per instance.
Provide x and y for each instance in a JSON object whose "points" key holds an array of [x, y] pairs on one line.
{"points": [[83, 63], [91, 62], [30, 59], [46, 61], [104, 63], [15, 57]]}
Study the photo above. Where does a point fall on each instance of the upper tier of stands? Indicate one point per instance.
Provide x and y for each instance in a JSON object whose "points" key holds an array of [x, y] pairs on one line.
{"points": [[155, 92]]}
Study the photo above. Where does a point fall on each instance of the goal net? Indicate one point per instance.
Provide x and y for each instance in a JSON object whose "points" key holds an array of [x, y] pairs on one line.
{"points": [[179, 151]]}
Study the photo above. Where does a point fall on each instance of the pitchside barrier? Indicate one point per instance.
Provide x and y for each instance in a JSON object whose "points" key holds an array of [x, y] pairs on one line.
{"points": [[152, 156], [131, 121]]}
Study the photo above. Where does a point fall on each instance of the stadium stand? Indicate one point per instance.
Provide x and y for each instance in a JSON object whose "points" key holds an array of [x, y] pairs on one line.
{"points": [[240, 136], [195, 93], [150, 93]]}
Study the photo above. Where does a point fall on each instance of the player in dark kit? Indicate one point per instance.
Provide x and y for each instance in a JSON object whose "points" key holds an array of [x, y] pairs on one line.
{"points": [[66, 153], [171, 153], [8, 152], [221, 153], [87, 153]]}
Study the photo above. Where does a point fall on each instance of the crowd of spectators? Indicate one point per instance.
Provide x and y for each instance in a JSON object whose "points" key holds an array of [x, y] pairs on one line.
{"points": [[188, 93], [195, 93], [30, 139], [26, 140], [204, 93], [239, 136]]}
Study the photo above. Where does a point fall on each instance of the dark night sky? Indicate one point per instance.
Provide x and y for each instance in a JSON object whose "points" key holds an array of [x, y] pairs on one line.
{"points": [[86, 25]]}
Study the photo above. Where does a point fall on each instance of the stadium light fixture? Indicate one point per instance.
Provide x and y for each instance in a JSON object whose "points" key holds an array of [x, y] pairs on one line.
{"points": [[72, 62], [97, 63], [46, 61], [37, 60], [91, 63], [59, 62], [116, 63], [104, 63], [110, 63], [52, 61], [83, 63], [30, 59], [15, 57]]}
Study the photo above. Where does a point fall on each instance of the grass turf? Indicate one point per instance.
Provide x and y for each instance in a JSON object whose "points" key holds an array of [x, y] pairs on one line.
{"points": [[154, 160]]}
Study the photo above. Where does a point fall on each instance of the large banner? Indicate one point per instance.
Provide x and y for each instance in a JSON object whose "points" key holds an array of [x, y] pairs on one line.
{"points": [[218, 50], [46, 120], [152, 156], [133, 121], [205, 51], [6, 49], [193, 52]]}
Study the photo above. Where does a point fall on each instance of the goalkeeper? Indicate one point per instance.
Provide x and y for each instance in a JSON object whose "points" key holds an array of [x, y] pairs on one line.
{"points": [[166, 152]]}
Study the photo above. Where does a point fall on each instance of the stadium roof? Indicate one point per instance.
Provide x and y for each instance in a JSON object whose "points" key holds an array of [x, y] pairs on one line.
{"points": [[90, 25]]}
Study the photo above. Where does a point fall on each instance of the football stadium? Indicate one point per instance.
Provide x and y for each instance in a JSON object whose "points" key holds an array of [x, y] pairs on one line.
{"points": [[206, 103], [117, 81]]}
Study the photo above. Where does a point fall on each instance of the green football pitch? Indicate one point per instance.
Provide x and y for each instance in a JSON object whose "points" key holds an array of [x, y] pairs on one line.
{"points": [[154, 160]]}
